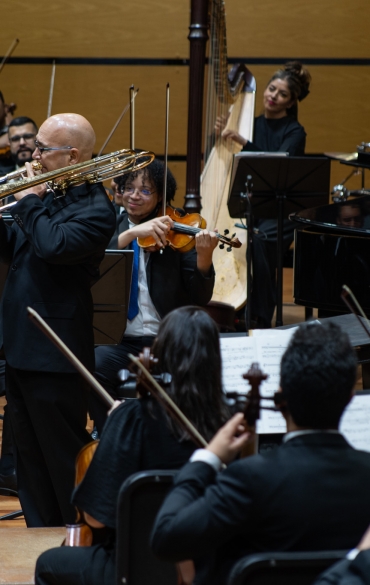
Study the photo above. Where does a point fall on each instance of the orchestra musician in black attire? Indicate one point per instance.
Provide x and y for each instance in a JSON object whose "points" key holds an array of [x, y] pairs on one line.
{"points": [[353, 570], [53, 250], [166, 280], [276, 130], [310, 493], [139, 435]]}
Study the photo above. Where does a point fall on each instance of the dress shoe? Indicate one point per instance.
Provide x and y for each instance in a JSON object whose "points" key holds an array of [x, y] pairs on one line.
{"points": [[8, 482]]}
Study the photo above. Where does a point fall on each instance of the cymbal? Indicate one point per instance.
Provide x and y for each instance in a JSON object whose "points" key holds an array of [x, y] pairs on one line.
{"points": [[348, 156]]}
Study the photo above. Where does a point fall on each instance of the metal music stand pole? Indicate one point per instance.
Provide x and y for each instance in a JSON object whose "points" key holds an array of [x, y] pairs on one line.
{"points": [[245, 197]]}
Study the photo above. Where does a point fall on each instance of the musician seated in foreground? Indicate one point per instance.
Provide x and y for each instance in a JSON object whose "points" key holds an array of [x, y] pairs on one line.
{"points": [[165, 280], [299, 497], [139, 435], [276, 130], [354, 570]]}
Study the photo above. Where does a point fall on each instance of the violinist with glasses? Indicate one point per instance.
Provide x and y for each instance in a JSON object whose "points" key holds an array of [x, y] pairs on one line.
{"points": [[165, 278]]}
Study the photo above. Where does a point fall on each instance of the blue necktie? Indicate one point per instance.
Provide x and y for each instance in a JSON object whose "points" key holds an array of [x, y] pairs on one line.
{"points": [[133, 308]]}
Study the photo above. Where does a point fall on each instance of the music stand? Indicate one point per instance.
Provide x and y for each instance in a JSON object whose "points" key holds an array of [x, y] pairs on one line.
{"points": [[111, 294], [281, 185]]}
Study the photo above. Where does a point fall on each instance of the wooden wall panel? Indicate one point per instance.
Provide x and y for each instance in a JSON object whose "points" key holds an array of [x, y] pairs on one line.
{"points": [[312, 28], [91, 28], [336, 114], [100, 94]]}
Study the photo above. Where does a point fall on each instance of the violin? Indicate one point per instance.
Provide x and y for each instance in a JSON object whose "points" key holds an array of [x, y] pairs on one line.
{"points": [[181, 236]]}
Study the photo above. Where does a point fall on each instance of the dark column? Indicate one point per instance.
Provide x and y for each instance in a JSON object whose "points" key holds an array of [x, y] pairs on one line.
{"points": [[198, 37]]}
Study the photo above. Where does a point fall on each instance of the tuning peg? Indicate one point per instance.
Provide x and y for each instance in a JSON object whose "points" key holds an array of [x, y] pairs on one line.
{"points": [[233, 236], [226, 232], [222, 246], [229, 249]]}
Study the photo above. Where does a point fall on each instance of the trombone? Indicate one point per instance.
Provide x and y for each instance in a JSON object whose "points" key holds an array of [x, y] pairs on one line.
{"points": [[95, 170], [37, 166]]}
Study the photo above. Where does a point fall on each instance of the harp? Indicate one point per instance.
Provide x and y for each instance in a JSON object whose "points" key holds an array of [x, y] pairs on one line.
{"points": [[230, 94]]}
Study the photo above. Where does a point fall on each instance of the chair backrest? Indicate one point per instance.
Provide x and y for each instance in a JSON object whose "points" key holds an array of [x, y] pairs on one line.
{"points": [[139, 500], [283, 568]]}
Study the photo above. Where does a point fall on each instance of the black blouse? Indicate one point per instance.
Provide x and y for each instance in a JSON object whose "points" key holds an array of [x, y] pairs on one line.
{"points": [[281, 135], [135, 438]]}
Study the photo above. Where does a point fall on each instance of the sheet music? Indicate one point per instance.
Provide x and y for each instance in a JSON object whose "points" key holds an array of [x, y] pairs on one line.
{"points": [[238, 353], [269, 351], [355, 423], [265, 347]]}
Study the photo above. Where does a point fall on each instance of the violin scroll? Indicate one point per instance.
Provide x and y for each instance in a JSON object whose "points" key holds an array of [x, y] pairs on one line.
{"points": [[255, 377]]}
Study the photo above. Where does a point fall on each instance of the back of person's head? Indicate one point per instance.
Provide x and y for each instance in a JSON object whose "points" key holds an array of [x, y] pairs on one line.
{"points": [[298, 80], [154, 173], [317, 376], [188, 347], [21, 120]]}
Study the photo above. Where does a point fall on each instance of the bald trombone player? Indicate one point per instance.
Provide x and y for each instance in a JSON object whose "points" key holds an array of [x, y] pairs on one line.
{"points": [[53, 250]]}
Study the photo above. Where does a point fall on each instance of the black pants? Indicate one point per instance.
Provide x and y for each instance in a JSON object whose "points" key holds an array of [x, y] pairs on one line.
{"points": [[48, 419], [109, 359], [264, 268], [93, 565], [7, 460]]}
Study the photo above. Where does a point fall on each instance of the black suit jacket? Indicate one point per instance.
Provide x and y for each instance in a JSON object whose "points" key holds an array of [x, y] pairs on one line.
{"points": [[53, 249], [356, 572], [311, 493], [173, 278]]}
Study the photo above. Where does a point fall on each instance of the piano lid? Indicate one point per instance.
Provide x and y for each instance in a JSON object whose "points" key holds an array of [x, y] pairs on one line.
{"points": [[349, 217]]}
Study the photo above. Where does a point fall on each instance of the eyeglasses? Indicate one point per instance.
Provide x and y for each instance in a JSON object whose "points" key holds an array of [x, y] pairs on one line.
{"points": [[18, 138], [131, 191], [42, 149]]}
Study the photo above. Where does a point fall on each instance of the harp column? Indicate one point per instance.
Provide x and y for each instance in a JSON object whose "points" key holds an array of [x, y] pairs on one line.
{"points": [[198, 37]]}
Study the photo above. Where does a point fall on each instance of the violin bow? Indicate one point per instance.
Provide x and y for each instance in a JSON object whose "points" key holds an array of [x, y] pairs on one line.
{"points": [[348, 298], [172, 408], [164, 198], [48, 331], [51, 91], [127, 106], [8, 53], [132, 117]]}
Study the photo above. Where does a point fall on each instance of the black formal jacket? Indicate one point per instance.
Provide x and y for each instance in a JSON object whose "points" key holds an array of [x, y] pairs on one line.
{"points": [[173, 278], [311, 493], [356, 572], [53, 249]]}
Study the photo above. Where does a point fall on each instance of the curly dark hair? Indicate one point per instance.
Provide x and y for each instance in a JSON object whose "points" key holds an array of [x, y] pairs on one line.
{"points": [[298, 80], [317, 375], [154, 173], [188, 347]]}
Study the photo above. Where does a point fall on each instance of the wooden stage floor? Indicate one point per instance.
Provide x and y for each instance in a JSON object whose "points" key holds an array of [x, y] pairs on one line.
{"points": [[19, 549]]}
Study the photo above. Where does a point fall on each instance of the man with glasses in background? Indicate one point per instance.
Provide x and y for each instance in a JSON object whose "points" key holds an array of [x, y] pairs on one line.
{"points": [[22, 133], [53, 250]]}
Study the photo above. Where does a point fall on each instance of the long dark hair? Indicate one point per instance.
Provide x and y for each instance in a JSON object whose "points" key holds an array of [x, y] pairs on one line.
{"points": [[188, 347], [298, 80]]}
